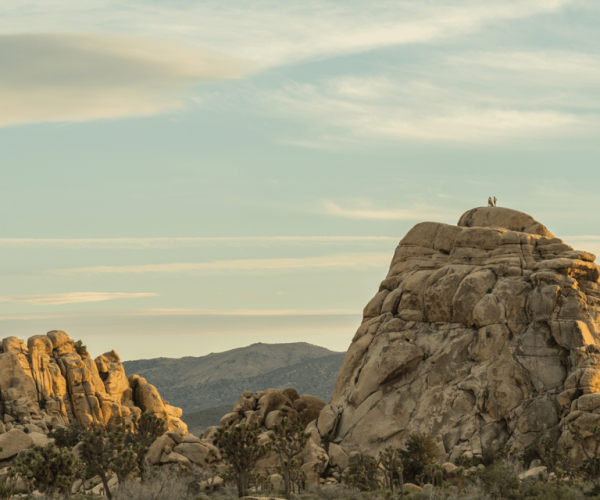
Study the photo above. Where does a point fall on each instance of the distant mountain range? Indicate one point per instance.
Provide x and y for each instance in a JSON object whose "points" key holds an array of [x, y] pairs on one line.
{"points": [[218, 379]]}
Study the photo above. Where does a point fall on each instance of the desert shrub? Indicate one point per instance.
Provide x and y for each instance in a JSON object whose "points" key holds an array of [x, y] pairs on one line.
{"points": [[488, 456], [362, 473], [48, 469], [166, 483], [463, 461], [501, 478], [548, 491], [68, 437], [6, 490], [421, 451]]}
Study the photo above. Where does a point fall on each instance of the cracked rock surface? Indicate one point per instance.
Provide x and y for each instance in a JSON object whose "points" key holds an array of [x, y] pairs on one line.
{"points": [[51, 381], [483, 334]]}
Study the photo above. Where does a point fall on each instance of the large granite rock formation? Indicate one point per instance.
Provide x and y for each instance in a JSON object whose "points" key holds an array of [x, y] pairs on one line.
{"points": [[51, 381], [483, 334]]}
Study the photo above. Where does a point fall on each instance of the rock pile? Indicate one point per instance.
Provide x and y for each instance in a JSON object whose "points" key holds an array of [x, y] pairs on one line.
{"points": [[267, 408], [51, 381], [483, 334]]}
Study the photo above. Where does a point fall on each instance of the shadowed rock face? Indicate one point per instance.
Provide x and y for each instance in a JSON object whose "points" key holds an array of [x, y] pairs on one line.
{"points": [[49, 382], [483, 334]]}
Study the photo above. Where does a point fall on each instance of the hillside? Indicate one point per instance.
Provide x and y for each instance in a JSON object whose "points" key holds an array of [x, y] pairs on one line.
{"points": [[218, 379]]}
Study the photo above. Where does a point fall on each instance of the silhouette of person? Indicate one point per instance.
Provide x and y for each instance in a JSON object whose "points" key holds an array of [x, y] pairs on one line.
{"points": [[495, 200], [490, 202]]}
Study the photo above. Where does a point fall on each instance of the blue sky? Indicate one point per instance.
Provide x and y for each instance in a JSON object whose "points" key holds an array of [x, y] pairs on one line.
{"points": [[180, 178]]}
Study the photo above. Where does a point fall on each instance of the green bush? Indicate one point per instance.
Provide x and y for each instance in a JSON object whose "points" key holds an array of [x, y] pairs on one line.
{"points": [[501, 479], [548, 491]]}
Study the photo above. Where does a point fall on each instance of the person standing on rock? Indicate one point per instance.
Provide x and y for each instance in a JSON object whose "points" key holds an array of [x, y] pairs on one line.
{"points": [[495, 200], [490, 202]]}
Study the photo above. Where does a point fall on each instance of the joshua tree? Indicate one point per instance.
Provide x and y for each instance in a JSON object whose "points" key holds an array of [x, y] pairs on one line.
{"points": [[390, 461], [97, 456], [363, 472], [146, 429], [241, 449], [47, 468], [288, 439], [421, 450], [106, 453]]}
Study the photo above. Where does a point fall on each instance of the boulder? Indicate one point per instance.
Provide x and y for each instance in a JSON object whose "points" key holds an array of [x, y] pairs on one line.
{"points": [[157, 448], [308, 408], [196, 452], [175, 458], [338, 457], [13, 442], [533, 473]]}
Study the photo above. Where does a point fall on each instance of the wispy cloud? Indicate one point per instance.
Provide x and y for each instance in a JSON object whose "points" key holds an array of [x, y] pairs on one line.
{"points": [[244, 312], [151, 243], [70, 298], [364, 210], [274, 33], [77, 77], [165, 312], [424, 108], [332, 262]]}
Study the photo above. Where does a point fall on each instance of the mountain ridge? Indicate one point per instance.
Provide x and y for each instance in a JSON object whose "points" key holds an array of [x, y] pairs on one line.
{"points": [[218, 379]]}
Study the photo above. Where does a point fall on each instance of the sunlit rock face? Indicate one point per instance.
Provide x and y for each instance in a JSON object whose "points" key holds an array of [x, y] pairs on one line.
{"points": [[483, 334], [51, 381]]}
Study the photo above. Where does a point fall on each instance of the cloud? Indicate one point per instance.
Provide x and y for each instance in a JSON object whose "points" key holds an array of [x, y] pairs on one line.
{"points": [[151, 243], [554, 68], [466, 97], [273, 33], [70, 298], [244, 312], [77, 77], [332, 262], [416, 108], [165, 312], [365, 211]]}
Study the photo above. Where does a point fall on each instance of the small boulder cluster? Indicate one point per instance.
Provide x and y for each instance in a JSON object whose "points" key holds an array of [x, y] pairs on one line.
{"points": [[268, 408]]}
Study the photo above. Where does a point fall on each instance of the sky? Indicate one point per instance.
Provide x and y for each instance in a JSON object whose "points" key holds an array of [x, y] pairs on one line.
{"points": [[184, 177]]}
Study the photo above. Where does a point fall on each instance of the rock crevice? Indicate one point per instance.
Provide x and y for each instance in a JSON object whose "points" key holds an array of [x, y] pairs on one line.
{"points": [[52, 381], [483, 334]]}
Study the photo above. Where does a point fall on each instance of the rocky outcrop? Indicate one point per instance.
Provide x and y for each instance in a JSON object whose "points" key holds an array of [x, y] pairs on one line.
{"points": [[267, 408], [482, 334], [52, 381]]}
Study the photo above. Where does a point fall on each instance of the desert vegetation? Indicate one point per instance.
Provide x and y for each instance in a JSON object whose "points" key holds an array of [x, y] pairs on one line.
{"points": [[93, 464]]}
